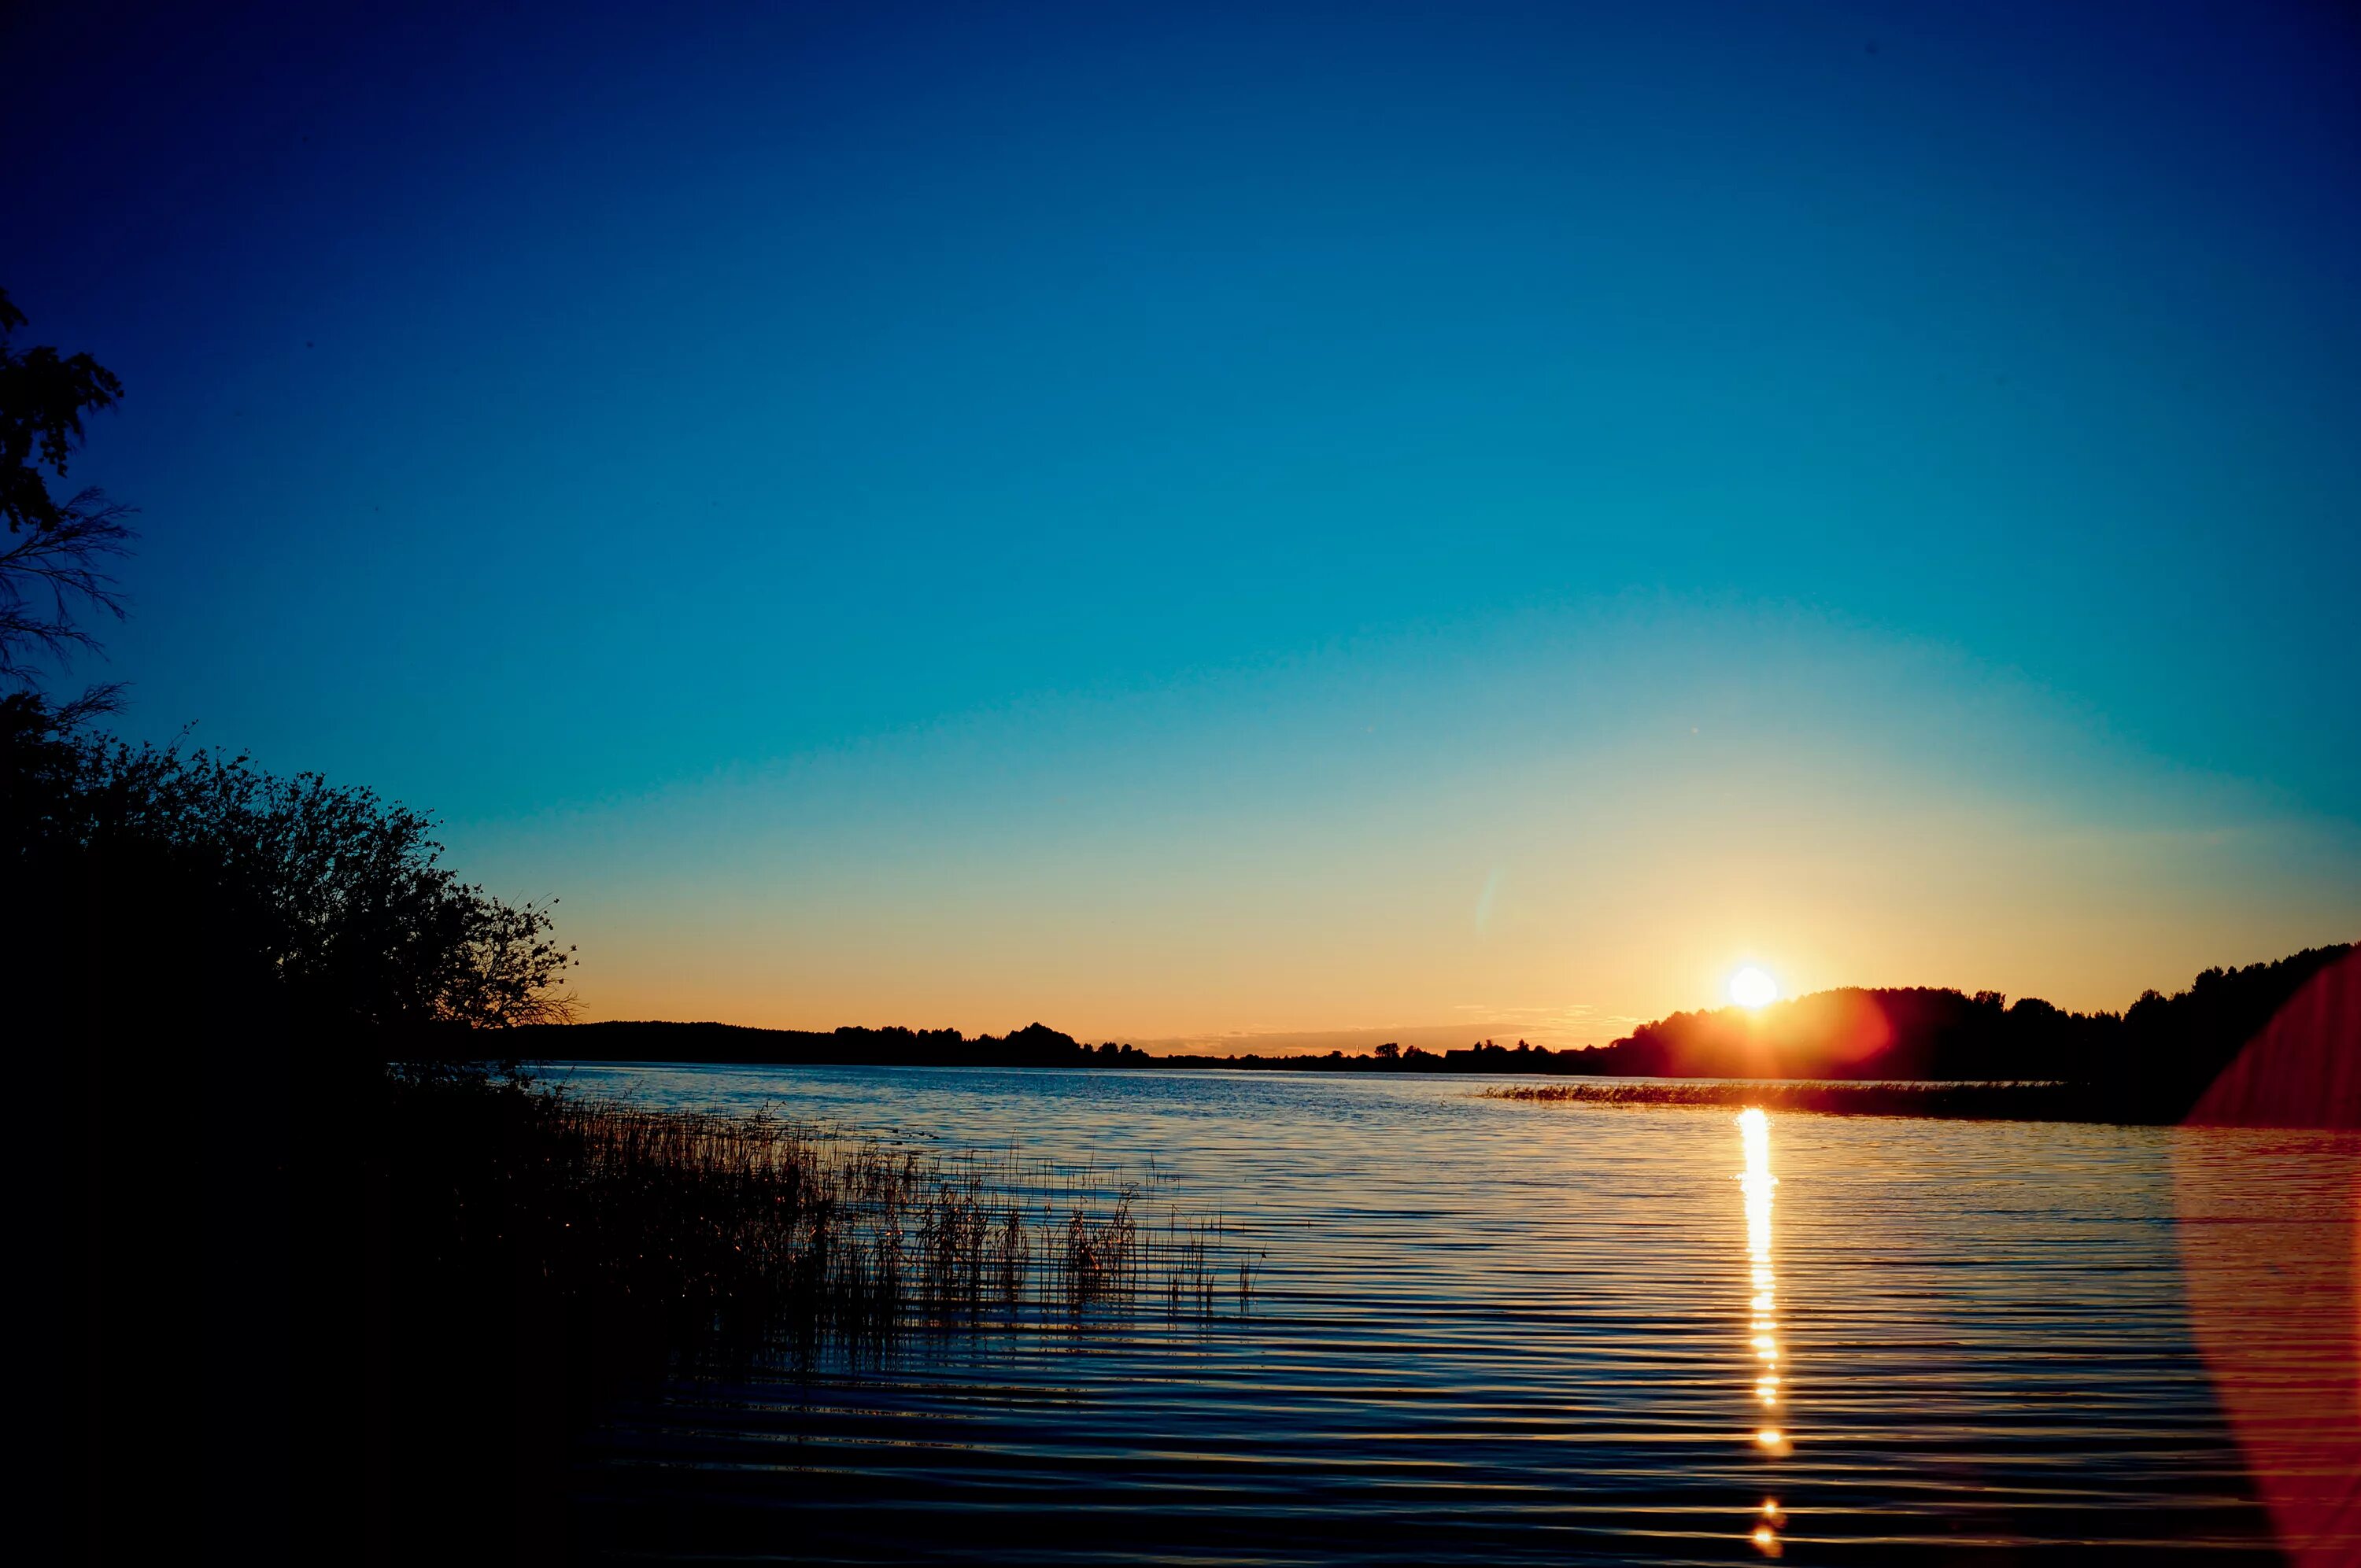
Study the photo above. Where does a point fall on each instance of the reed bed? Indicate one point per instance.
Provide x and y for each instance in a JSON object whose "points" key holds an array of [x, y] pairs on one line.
{"points": [[2014, 1100], [734, 1238]]}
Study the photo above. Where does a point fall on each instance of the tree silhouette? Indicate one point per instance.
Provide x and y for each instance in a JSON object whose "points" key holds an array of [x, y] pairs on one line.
{"points": [[316, 903], [332, 903], [55, 561]]}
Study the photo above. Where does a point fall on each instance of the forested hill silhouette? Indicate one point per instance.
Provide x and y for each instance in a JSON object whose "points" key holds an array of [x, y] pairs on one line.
{"points": [[2150, 1061], [2162, 1046]]}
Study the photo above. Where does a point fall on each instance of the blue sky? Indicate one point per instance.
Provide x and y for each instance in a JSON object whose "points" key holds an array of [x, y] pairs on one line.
{"points": [[812, 472]]}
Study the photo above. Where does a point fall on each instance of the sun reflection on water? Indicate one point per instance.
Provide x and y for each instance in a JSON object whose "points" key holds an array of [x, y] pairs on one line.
{"points": [[1756, 1183]]}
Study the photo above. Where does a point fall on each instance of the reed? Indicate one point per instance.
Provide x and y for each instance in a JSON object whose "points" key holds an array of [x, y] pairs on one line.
{"points": [[2016, 1101], [731, 1237]]}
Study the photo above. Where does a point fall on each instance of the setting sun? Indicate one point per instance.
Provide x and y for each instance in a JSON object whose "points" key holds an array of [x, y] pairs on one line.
{"points": [[1752, 987]]}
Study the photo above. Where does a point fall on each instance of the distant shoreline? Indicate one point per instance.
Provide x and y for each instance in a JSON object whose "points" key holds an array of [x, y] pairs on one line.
{"points": [[1910, 1051], [1989, 1102], [1992, 1101]]}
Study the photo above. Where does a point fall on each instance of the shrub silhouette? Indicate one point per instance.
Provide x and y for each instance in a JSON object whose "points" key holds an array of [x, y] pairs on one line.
{"points": [[329, 902]]}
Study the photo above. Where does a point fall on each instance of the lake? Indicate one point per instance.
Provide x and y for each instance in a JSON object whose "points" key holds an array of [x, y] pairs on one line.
{"points": [[1493, 1331]]}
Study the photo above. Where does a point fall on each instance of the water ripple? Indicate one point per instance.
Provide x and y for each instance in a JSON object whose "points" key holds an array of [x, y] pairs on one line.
{"points": [[1500, 1332]]}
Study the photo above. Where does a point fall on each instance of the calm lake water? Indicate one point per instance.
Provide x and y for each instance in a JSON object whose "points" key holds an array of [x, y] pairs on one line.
{"points": [[1504, 1332]]}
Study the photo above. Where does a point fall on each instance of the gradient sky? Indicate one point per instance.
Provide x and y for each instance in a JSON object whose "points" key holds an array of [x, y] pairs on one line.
{"points": [[1192, 523]]}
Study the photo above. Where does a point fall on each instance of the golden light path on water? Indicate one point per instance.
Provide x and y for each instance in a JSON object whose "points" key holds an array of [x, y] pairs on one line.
{"points": [[1756, 1183]]}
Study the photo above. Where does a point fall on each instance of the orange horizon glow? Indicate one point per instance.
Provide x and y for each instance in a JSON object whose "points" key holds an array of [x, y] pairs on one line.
{"points": [[1555, 1028], [1203, 868]]}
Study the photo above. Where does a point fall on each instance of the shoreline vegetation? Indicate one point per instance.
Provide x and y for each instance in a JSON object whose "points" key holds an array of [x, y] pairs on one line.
{"points": [[1903, 1051], [543, 1259], [760, 1238]]}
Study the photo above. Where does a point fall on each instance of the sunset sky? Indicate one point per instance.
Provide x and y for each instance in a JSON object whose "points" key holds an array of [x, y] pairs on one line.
{"points": [[1276, 525]]}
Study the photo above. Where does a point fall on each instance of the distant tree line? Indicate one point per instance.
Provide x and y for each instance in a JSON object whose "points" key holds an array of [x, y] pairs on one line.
{"points": [[1036, 1045], [2149, 1063]]}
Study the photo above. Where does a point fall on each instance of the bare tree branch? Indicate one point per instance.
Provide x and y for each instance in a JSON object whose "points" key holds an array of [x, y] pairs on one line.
{"points": [[49, 575], [55, 556]]}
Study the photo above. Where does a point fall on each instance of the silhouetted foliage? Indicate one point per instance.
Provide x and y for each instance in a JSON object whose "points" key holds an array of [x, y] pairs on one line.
{"points": [[209, 968], [55, 560], [326, 896]]}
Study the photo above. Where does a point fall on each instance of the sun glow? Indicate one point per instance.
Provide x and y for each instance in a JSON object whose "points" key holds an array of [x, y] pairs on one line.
{"points": [[1752, 987]]}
